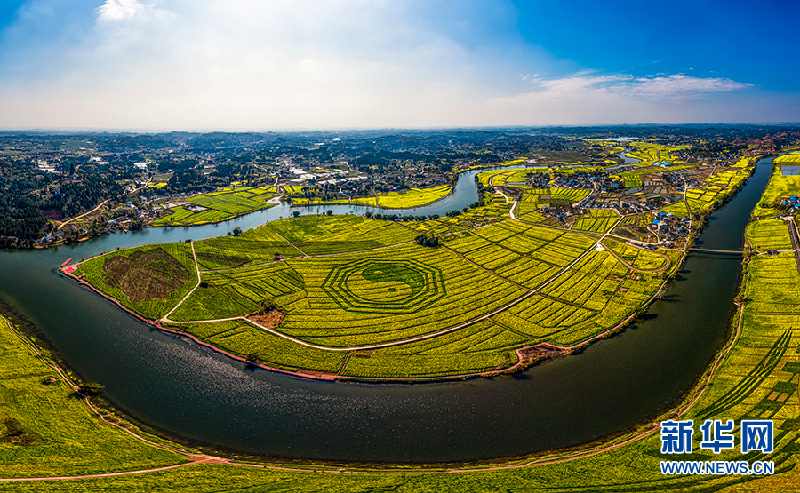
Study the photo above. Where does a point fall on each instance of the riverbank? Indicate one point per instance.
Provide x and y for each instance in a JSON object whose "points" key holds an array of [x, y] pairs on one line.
{"points": [[483, 418], [600, 464], [629, 458], [583, 259], [527, 356]]}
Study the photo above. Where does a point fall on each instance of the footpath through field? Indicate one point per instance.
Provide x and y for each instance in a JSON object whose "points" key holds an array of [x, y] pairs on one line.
{"points": [[399, 342]]}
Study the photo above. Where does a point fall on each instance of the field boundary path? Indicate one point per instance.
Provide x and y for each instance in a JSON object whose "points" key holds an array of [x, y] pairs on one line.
{"points": [[205, 460], [197, 273], [793, 237], [193, 458], [101, 204], [486, 316], [626, 264], [287, 241]]}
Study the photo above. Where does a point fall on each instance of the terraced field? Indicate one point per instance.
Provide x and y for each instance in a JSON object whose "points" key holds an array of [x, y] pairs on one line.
{"points": [[653, 153], [597, 221], [221, 205], [715, 190], [408, 199], [755, 376], [354, 297], [780, 187]]}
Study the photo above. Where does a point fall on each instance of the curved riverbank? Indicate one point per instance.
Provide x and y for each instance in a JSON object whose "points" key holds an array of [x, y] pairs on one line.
{"points": [[527, 356], [558, 404]]}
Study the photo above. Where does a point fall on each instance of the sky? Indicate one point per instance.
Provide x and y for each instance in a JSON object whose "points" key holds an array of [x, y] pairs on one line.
{"points": [[160, 65]]}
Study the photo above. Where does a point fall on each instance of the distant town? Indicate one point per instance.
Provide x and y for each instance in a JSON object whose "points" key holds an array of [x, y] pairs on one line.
{"points": [[62, 188]]}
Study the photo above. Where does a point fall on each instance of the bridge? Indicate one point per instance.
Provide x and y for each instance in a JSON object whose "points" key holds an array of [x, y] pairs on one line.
{"points": [[704, 250]]}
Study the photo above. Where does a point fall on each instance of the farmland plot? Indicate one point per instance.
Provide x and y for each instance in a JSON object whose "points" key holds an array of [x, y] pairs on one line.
{"points": [[479, 347], [347, 284], [149, 280], [769, 234], [316, 234], [408, 291]]}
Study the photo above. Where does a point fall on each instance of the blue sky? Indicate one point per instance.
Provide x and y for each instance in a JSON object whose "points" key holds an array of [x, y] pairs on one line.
{"points": [[749, 41], [293, 64]]}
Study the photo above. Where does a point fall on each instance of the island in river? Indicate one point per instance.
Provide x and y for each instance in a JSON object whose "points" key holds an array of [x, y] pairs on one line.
{"points": [[539, 266]]}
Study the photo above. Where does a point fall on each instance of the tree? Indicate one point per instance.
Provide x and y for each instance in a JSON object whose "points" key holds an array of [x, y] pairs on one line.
{"points": [[90, 389], [237, 231], [295, 213], [427, 241], [329, 213]]}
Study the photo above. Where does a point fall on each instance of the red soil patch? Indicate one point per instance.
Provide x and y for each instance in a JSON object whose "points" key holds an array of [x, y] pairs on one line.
{"points": [[269, 320]]}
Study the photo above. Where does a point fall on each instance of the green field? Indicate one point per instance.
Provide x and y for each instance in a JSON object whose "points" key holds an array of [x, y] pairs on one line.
{"points": [[780, 187], [148, 279], [221, 205], [637, 258], [317, 235], [407, 199], [255, 246], [755, 376], [414, 197], [47, 431], [678, 209], [491, 213], [504, 177], [769, 234], [559, 193], [346, 282], [597, 221]]}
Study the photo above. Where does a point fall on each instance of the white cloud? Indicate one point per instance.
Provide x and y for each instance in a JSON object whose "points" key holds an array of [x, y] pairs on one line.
{"points": [[115, 10], [661, 86], [674, 85], [277, 64], [585, 97]]}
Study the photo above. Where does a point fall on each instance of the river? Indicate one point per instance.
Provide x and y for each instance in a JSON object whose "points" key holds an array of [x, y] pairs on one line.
{"points": [[175, 385]]}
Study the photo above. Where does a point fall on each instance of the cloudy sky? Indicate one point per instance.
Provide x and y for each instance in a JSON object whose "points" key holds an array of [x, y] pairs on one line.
{"points": [[298, 64]]}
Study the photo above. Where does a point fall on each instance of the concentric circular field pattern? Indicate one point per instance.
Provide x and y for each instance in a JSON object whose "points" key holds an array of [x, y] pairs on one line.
{"points": [[374, 285]]}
